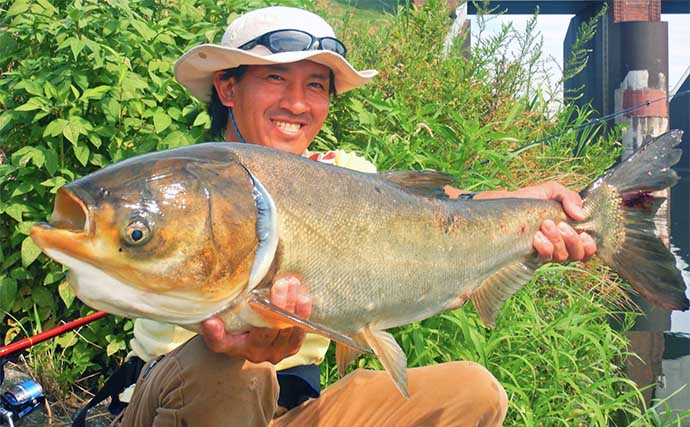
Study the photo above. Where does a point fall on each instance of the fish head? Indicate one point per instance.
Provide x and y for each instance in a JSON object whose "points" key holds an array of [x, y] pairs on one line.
{"points": [[161, 236]]}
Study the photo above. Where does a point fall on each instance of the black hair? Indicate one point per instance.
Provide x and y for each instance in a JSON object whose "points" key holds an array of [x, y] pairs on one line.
{"points": [[219, 112], [216, 109]]}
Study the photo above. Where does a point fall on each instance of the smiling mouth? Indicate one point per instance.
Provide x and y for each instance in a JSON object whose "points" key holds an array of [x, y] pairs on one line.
{"points": [[291, 128]]}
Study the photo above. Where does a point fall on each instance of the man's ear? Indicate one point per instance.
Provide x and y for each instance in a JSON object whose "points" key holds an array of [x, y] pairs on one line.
{"points": [[225, 89]]}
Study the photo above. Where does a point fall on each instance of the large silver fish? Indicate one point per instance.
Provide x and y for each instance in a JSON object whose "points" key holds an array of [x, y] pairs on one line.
{"points": [[186, 234]]}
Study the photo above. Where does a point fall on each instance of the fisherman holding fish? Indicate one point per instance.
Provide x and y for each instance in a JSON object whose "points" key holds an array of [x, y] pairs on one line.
{"points": [[269, 82]]}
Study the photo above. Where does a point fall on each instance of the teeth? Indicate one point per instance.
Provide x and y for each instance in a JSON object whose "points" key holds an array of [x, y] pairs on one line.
{"points": [[287, 127]]}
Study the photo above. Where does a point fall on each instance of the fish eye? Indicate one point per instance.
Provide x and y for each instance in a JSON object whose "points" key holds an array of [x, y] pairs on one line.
{"points": [[137, 232]]}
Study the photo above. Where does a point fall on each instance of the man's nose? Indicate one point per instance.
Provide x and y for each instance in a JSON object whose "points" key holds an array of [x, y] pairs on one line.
{"points": [[294, 99]]}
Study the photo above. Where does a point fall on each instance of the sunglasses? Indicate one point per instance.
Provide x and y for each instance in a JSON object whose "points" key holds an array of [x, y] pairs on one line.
{"points": [[294, 41]]}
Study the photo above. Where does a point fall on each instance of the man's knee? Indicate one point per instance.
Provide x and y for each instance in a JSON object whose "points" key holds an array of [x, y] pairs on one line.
{"points": [[486, 390]]}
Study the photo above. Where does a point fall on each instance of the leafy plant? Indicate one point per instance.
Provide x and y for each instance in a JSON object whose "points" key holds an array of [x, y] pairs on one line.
{"points": [[86, 83]]}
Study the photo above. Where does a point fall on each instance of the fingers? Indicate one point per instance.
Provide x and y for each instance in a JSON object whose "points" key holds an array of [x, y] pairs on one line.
{"points": [[571, 200], [559, 251], [543, 246], [588, 244], [562, 243], [303, 306], [218, 341], [264, 344], [575, 251]]}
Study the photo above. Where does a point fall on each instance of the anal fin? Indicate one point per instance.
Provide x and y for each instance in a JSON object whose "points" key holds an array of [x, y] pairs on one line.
{"points": [[278, 318], [390, 354], [500, 286]]}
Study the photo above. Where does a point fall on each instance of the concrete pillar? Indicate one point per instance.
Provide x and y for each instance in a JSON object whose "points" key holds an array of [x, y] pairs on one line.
{"points": [[629, 66], [460, 28], [641, 75]]}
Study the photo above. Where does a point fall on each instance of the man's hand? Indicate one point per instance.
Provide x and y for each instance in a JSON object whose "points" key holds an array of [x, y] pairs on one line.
{"points": [[264, 344], [560, 242], [554, 242]]}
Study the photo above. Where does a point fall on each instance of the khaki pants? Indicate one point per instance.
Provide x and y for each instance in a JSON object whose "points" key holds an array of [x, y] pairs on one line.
{"points": [[194, 387]]}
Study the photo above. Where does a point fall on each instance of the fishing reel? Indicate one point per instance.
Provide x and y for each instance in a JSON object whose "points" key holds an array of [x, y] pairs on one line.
{"points": [[19, 400]]}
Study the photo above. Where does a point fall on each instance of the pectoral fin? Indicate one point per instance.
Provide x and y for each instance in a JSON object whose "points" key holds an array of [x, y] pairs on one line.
{"points": [[275, 317], [390, 354], [500, 286]]}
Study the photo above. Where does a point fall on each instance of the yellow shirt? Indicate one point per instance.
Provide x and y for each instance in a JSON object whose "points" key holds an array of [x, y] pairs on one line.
{"points": [[152, 338]]}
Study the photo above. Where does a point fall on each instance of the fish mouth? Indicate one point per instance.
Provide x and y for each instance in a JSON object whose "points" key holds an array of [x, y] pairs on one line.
{"points": [[70, 213], [68, 226]]}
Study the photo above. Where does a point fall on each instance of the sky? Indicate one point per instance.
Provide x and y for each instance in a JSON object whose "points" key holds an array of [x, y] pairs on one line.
{"points": [[554, 27]]}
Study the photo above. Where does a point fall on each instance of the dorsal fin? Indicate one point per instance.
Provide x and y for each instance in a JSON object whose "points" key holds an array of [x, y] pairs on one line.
{"points": [[426, 183], [500, 286]]}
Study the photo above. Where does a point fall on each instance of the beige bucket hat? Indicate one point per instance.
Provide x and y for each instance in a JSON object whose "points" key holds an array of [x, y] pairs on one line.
{"points": [[196, 68]]}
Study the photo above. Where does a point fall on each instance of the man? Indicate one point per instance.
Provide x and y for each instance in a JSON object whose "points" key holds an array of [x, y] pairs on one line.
{"points": [[269, 83]]}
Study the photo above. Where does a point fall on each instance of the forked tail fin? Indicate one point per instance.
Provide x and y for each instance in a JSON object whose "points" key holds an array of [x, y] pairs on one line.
{"points": [[622, 220]]}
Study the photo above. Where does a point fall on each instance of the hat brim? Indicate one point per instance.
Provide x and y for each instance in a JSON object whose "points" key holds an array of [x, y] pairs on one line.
{"points": [[196, 68]]}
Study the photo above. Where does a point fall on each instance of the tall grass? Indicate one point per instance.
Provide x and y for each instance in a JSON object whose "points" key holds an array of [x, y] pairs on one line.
{"points": [[553, 349]]}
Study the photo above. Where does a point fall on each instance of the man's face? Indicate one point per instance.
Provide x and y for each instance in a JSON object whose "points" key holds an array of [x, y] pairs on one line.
{"points": [[279, 106]]}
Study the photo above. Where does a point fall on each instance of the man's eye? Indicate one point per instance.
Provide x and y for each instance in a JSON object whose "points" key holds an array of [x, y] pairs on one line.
{"points": [[274, 77], [317, 85]]}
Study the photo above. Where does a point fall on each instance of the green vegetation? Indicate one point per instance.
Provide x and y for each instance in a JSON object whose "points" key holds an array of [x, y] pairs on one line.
{"points": [[87, 83]]}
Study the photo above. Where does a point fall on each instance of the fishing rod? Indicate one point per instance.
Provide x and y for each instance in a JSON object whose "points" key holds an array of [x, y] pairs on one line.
{"points": [[50, 333], [594, 122]]}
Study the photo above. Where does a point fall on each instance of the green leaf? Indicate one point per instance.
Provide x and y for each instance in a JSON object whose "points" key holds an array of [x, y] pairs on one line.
{"points": [[31, 105], [111, 108], [18, 7], [16, 210], [42, 296], [24, 227], [67, 339], [56, 181], [66, 293], [50, 90], [114, 347], [22, 188], [76, 45], [81, 152], [8, 292], [52, 161], [175, 139], [29, 252], [48, 9], [142, 29], [71, 132], [5, 119], [94, 139], [203, 119], [32, 87], [55, 127], [95, 92], [161, 121], [52, 277]]}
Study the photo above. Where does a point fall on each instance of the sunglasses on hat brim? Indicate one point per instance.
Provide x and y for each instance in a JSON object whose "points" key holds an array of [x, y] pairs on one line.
{"points": [[294, 41]]}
